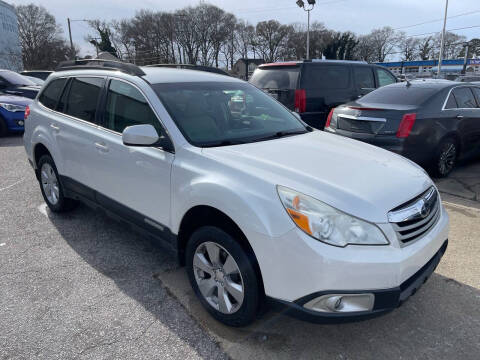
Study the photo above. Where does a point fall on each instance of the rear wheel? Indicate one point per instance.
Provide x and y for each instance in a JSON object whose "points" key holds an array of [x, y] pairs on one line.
{"points": [[51, 187], [446, 157], [222, 276]]}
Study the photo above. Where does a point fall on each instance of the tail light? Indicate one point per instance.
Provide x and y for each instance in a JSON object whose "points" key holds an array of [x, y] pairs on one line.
{"points": [[300, 100], [406, 125], [27, 112], [329, 118]]}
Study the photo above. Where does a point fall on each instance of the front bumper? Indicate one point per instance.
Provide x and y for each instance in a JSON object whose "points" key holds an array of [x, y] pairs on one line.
{"points": [[385, 300], [13, 120]]}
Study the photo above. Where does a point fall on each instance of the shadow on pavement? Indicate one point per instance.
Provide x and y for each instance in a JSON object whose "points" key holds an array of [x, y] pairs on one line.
{"points": [[129, 260], [11, 140], [440, 322]]}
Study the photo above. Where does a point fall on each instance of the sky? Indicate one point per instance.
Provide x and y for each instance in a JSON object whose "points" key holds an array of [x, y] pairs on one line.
{"points": [[359, 16]]}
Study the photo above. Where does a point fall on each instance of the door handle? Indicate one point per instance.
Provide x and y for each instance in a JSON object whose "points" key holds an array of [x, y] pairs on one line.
{"points": [[460, 117], [101, 146], [55, 127]]}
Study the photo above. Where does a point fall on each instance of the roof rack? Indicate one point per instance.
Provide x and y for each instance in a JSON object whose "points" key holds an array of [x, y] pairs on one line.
{"points": [[92, 64], [192, 67]]}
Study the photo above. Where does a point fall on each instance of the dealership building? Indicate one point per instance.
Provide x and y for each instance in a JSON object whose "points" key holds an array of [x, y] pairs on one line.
{"points": [[10, 50], [431, 66]]}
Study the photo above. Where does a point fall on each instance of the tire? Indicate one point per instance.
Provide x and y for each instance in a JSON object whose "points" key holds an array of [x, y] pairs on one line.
{"points": [[233, 276], [51, 187], [3, 127], [445, 158]]}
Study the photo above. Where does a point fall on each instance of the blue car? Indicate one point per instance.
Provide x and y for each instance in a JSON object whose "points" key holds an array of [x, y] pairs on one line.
{"points": [[12, 113]]}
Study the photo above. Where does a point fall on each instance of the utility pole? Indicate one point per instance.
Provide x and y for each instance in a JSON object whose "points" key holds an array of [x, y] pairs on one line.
{"points": [[442, 43], [465, 59], [72, 49]]}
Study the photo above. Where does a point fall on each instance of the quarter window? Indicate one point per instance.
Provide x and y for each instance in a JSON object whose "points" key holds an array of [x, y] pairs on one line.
{"points": [[126, 106], [83, 97], [364, 77], [384, 77], [464, 97], [52, 93], [451, 102]]}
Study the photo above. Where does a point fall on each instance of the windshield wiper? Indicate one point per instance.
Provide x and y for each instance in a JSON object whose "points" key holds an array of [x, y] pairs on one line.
{"points": [[280, 134], [223, 143]]}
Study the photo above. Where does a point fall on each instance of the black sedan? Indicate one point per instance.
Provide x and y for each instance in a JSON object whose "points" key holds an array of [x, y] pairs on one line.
{"points": [[432, 122], [15, 84]]}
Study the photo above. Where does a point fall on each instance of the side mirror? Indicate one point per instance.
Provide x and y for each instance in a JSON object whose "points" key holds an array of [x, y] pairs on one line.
{"points": [[140, 135]]}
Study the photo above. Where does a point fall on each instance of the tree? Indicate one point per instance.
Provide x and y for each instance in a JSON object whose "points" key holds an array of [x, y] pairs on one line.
{"points": [[341, 46], [382, 42], [43, 45], [452, 47], [408, 46], [473, 49], [270, 38], [425, 47], [363, 50], [105, 43]]}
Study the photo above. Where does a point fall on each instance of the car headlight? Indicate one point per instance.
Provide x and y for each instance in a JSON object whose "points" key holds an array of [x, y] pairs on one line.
{"points": [[328, 224], [13, 107]]}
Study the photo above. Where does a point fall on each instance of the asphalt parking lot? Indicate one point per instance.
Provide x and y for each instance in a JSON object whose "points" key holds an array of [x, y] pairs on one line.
{"points": [[81, 285]]}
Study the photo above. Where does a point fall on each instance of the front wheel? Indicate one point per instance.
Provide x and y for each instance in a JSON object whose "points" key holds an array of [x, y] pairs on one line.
{"points": [[446, 158], [222, 276]]}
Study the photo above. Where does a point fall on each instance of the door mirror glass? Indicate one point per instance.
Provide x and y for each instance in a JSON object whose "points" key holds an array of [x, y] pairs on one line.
{"points": [[140, 135]]}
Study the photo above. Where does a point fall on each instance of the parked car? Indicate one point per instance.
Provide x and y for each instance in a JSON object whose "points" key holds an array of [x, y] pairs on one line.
{"points": [[468, 78], [12, 113], [312, 88], [257, 204], [16, 84], [35, 80], [432, 122], [39, 74]]}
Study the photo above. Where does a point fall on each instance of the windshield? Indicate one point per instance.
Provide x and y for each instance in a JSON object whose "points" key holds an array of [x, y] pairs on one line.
{"points": [[15, 79], [275, 77], [217, 113], [399, 95]]}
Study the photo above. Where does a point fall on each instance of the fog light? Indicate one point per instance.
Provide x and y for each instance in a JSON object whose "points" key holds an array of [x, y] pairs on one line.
{"points": [[20, 122], [342, 303]]}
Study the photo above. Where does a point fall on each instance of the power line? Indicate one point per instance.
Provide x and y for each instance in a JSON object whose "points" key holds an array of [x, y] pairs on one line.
{"points": [[437, 20], [436, 32]]}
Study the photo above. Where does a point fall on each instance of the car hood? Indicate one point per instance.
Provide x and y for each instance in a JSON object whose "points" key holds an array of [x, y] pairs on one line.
{"points": [[354, 177], [16, 100]]}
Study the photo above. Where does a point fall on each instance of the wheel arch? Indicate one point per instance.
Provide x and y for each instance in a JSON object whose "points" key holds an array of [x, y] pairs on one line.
{"points": [[38, 151], [204, 215]]}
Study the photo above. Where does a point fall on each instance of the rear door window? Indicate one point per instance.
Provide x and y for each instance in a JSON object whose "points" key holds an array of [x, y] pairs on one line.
{"points": [[50, 96], [385, 78], [83, 97], [364, 77], [476, 91], [326, 77], [276, 77], [465, 98]]}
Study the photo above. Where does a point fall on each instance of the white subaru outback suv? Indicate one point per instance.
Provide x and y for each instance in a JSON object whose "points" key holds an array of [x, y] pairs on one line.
{"points": [[258, 205]]}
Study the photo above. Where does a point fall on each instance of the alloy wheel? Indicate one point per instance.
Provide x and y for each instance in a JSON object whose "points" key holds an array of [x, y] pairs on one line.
{"points": [[447, 158], [218, 277], [50, 183]]}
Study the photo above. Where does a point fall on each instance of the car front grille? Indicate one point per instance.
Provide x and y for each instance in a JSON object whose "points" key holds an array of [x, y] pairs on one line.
{"points": [[417, 217]]}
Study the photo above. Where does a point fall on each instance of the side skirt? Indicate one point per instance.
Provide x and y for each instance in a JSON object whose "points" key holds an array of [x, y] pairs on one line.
{"points": [[119, 212]]}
